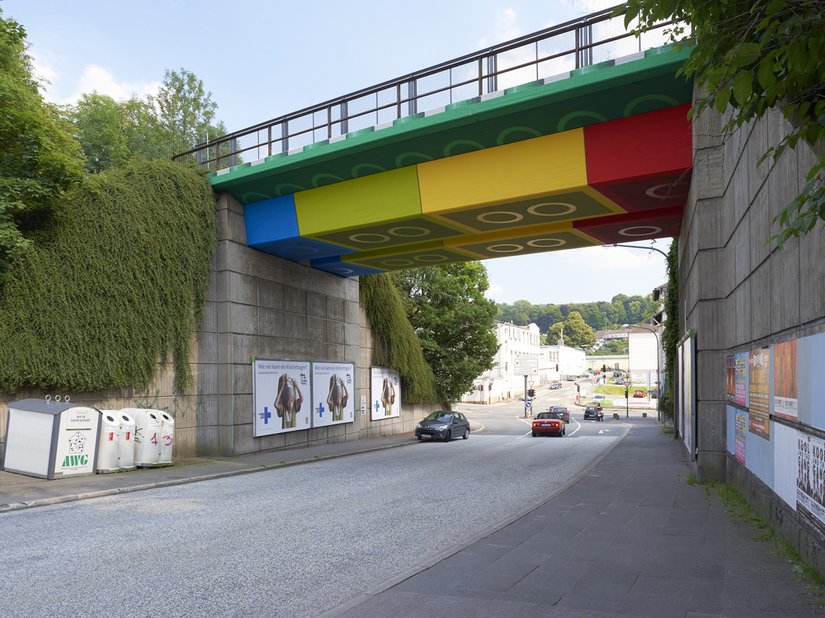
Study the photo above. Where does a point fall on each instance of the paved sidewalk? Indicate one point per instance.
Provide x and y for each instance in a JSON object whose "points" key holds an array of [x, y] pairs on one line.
{"points": [[18, 491], [631, 538]]}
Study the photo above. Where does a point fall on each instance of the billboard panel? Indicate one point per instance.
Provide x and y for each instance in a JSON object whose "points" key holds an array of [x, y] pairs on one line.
{"points": [[758, 392], [785, 462], [785, 380], [281, 396], [740, 396], [810, 478], [385, 391], [332, 393], [740, 440]]}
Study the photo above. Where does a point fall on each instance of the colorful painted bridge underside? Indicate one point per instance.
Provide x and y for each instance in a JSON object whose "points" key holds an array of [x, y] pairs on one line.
{"points": [[601, 156]]}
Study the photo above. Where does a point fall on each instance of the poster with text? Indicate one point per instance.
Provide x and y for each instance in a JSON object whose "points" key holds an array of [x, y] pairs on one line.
{"points": [[281, 396], [740, 397], [810, 478], [385, 391], [785, 380], [333, 391], [730, 377], [759, 392], [741, 424]]}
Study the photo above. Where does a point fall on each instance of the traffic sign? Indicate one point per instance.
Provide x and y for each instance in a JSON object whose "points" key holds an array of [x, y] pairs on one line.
{"points": [[528, 405]]}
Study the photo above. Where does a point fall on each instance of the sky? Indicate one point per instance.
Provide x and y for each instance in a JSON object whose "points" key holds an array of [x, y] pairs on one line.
{"points": [[261, 59]]}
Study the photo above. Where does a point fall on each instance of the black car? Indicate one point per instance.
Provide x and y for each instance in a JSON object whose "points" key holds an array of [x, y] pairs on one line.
{"points": [[443, 424], [563, 413], [593, 412]]}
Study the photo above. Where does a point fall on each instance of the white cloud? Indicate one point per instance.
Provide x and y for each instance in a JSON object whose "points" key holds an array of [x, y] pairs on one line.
{"points": [[591, 6], [95, 78]]}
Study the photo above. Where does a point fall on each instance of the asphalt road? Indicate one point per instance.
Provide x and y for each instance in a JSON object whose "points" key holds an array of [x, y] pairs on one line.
{"points": [[296, 541]]}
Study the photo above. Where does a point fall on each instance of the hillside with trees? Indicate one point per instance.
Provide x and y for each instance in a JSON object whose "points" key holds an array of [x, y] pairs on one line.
{"points": [[602, 315]]}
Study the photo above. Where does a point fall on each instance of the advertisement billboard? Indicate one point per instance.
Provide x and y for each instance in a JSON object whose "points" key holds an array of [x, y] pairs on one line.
{"points": [[759, 392], [785, 380], [385, 391], [740, 396], [281, 396], [810, 478], [333, 387]]}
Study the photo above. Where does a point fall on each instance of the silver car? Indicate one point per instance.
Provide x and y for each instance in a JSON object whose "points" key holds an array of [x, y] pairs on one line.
{"points": [[443, 424]]}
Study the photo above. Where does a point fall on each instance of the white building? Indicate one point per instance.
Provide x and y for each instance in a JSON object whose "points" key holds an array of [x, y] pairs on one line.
{"points": [[519, 354], [644, 355]]}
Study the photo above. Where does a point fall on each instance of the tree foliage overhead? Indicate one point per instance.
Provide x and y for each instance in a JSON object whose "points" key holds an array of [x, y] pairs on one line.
{"points": [[453, 320], [39, 160], [751, 56], [573, 331]]}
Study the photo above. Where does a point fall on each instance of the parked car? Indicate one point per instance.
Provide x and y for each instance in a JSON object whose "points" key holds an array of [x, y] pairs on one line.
{"points": [[619, 381], [593, 412], [443, 424], [555, 385], [599, 397], [548, 423], [638, 393], [564, 413], [653, 393]]}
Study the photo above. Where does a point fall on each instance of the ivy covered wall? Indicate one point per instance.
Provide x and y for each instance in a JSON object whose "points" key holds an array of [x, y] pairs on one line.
{"points": [[116, 286]]}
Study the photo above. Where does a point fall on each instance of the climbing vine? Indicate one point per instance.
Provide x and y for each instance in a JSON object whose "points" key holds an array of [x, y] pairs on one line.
{"points": [[117, 285], [395, 343]]}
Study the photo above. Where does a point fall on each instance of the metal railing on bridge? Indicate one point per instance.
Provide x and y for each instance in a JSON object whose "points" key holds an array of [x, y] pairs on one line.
{"points": [[545, 54]]}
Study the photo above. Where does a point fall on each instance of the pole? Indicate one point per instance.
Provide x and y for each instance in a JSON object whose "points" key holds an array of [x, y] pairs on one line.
{"points": [[526, 401]]}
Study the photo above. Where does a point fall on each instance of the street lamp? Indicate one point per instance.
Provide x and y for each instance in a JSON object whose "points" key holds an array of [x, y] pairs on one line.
{"points": [[645, 247]]}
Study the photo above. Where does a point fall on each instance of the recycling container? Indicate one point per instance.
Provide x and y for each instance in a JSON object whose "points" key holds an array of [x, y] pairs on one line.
{"points": [[108, 451], [148, 428], [126, 446], [51, 439], [167, 436]]}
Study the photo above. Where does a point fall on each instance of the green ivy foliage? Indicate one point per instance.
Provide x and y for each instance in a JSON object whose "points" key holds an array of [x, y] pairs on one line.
{"points": [[670, 335], [395, 343], [117, 286]]}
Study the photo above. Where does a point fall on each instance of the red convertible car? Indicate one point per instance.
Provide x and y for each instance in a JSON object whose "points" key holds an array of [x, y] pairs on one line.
{"points": [[548, 423]]}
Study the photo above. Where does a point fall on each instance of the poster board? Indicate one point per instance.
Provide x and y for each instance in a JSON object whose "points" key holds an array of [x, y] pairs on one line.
{"points": [[281, 396], [333, 393], [385, 393]]}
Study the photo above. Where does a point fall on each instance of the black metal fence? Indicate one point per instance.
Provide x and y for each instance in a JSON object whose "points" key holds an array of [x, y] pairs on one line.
{"points": [[548, 53]]}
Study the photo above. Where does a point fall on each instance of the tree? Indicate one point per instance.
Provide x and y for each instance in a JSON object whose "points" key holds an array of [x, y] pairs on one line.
{"points": [[39, 159], [577, 334], [186, 111], [750, 57], [453, 320], [101, 125]]}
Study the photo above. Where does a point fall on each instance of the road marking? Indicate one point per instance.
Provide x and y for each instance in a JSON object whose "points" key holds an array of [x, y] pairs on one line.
{"points": [[578, 425]]}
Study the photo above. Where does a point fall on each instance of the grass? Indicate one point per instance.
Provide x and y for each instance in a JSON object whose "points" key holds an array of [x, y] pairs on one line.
{"points": [[740, 511]]}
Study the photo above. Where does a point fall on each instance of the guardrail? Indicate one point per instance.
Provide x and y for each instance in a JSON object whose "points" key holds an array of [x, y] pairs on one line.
{"points": [[547, 53]]}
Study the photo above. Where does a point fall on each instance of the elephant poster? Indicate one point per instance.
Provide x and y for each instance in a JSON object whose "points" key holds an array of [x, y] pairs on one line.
{"points": [[333, 393], [281, 395], [385, 391]]}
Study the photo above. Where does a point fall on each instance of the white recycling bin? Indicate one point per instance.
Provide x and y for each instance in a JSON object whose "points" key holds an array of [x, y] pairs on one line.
{"points": [[109, 444], [148, 427], [51, 439], [167, 437], [126, 446]]}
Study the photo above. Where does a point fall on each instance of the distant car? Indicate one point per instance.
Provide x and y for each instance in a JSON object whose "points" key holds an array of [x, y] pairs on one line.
{"points": [[638, 393], [443, 424], [564, 413], [620, 381], [548, 423], [571, 378], [555, 385], [593, 412], [653, 393], [599, 397]]}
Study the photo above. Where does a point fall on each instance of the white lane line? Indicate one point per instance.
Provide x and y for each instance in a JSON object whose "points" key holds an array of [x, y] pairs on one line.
{"points": [[578, 425]]}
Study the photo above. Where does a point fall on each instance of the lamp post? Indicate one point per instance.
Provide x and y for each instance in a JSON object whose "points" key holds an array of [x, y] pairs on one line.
{"points": [[645, 247]]}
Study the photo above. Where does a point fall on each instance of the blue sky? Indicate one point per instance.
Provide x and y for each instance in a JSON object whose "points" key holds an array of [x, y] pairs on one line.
{"points": [[261, 59]]}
